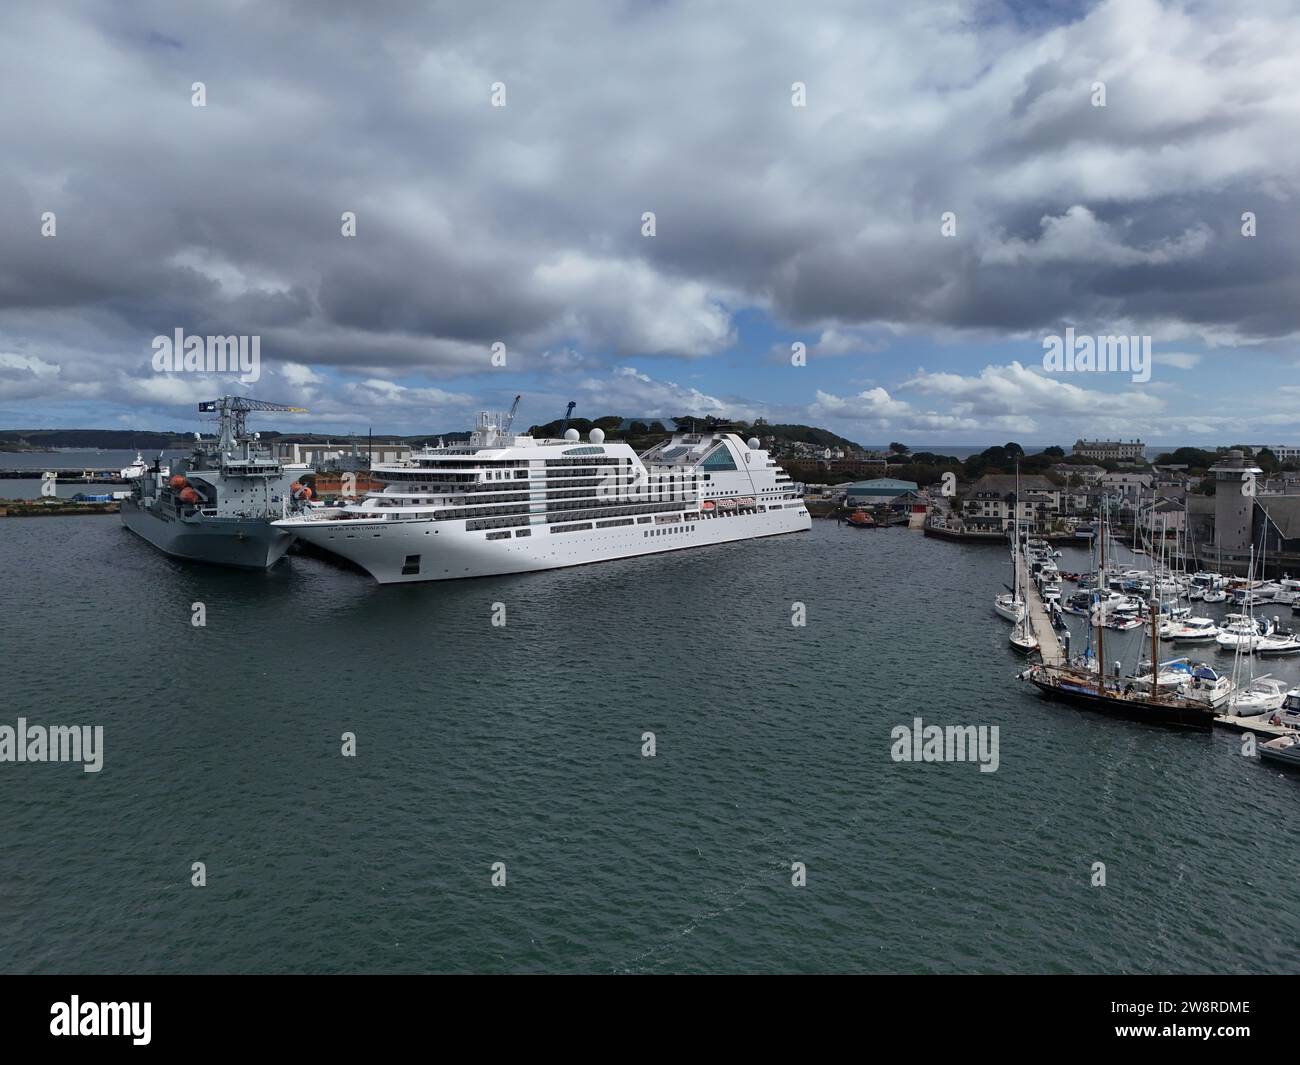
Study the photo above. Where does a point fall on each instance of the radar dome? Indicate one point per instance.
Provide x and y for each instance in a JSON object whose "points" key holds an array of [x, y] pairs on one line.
{"points": [[597, 436], [571, 435], [752, 443]]}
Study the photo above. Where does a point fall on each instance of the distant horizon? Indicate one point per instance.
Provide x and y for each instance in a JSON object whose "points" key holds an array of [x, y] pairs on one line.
{"points": [[959, 450]]}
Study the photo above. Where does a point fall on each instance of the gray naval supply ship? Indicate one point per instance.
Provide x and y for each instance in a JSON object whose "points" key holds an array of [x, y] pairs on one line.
{"points": [[218, 506]]}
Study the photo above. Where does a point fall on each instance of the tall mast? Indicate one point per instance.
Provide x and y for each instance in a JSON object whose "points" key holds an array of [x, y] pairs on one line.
{"points": [[1101, 616], [1155, 647]]}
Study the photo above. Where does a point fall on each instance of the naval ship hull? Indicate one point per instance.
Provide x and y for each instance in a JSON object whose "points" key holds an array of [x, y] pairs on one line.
{"points": [[247, 543]]}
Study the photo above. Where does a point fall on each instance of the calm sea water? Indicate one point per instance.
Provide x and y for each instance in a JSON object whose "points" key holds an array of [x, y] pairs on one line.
{"points": [[522, 744]]}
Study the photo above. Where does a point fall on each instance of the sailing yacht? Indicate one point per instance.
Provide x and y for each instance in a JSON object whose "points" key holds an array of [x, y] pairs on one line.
{"points": [[1087, 687], [504, 502]]}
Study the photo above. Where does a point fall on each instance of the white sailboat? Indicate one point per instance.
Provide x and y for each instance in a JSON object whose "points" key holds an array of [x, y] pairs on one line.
{"points": [[1022, 636]]}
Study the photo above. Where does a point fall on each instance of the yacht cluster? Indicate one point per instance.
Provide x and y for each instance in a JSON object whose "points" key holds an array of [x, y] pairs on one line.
{"points": [[1165, 602]]}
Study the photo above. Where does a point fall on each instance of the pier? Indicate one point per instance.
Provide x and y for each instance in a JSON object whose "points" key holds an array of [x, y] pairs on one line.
{"points": [[1049, 644], [65, 475]]}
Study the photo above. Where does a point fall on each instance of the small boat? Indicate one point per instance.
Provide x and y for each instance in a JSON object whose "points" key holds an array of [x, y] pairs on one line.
{"points": [[860, 519], [137, 469], [1194, 630], [1242, 630], [1284, 750], [1215, 595], [1191, 680], [1278, 644], [1263, 695], [1022, 637], [1010, 606]]}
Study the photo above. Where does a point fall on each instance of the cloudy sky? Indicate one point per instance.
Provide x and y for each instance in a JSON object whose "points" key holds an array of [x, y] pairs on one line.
{"points": [[774, 224]]}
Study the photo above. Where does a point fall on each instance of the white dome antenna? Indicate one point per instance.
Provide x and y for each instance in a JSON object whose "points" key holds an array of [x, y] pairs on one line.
{"points": [[596, 436]]}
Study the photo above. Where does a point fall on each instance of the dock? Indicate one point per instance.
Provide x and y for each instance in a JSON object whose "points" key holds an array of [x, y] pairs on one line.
{"points": [[1049, 644], [66, 475], [1260, 728]]}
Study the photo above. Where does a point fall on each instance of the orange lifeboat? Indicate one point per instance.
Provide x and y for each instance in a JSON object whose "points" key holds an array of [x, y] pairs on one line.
{"points": [[188, 495], [861, 519], [178, 481]]}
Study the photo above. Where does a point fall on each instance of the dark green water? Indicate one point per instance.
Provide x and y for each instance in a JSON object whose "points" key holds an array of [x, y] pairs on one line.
{"points": [[522, 745]]}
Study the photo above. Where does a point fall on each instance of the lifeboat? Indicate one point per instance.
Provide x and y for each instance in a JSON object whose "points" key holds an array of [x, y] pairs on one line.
{"points": [[188, 495], [178, 482], [707, 506], [861, 519]]}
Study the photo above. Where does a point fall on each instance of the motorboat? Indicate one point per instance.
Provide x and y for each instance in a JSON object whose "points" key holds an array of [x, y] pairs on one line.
{"points": [[860, 519], [137, 469], [1242, 630], [1193, 630], [1284, 750], [1214, 595], [1279, 643], [1079, 603], [1191, 679]]}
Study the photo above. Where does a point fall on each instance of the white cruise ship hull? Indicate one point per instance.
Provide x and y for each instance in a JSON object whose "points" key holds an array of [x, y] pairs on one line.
{"points": [[410, 550]]}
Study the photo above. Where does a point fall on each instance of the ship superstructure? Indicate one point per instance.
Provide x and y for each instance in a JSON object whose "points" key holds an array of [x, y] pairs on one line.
{"points": [[217, 505], [503, 502]]}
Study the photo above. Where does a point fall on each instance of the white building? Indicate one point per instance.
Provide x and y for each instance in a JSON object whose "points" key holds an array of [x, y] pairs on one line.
{"points": [[1117, 450], [1283, 452], [1126, 485]]}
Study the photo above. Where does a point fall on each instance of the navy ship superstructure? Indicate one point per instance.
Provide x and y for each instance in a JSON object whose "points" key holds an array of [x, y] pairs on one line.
{"points": [[218, 504]]}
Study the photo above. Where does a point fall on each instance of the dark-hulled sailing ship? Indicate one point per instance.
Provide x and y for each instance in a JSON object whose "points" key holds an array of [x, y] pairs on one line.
{"points": [[1090, 689]]}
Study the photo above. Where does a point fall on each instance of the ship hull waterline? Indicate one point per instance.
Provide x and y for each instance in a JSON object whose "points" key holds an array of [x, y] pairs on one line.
{"points": [[242, 543], [1168, 714], [386, 549]]}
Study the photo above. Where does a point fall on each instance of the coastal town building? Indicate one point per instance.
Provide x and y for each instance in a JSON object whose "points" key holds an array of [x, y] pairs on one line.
{"points": [[1115, 450], [807, 468], [880, 490], [992, 503], [1086, 474], [1128, 486]]}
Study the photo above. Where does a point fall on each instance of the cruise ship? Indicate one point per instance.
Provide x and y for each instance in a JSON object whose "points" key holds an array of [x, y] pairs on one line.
{"points": [[508, 503]]}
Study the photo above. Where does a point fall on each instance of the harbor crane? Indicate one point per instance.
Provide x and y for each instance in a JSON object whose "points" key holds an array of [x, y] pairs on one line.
{"points": [[233, 412], [567, 415], [509, 419]]}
